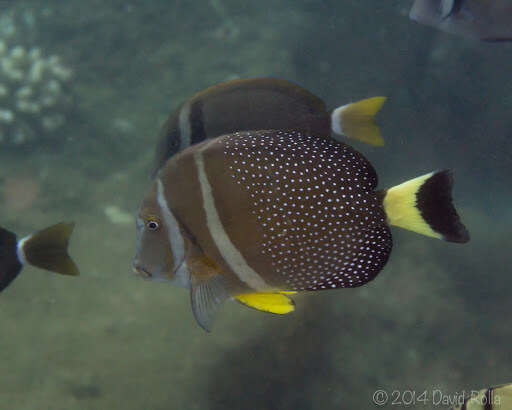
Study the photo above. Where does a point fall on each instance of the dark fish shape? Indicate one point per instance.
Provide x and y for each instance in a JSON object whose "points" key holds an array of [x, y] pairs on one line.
{"points": [[493, 398], [256, 215], [46, 249], [487, 20], [263, 103]]}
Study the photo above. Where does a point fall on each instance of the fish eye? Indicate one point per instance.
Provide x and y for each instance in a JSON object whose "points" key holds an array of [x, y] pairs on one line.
{"points": [[152, 224]]}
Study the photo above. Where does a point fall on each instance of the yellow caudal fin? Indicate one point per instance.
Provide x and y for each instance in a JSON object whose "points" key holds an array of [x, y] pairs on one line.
{"points": [[424, 205], [277, 303], [356, 121]]}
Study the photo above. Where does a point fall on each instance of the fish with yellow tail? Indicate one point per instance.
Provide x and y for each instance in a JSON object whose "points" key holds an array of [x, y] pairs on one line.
{"points": [[486, 20], [263, 103], [257, 215], [493, 398], [46, 249]]}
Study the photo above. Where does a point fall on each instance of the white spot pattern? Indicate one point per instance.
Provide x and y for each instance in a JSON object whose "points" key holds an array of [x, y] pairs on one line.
{"points": [[322, 223]]}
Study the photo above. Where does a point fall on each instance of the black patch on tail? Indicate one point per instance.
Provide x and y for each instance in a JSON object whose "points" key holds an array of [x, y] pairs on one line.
{"points": [[10, 266], [434, 201]]}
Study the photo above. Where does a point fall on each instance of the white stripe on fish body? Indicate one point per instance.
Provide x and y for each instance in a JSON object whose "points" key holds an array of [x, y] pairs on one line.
{"points": [[185, 126], [175, 237], [227, 249], [20, 253], [182, 276], [336, 125]]}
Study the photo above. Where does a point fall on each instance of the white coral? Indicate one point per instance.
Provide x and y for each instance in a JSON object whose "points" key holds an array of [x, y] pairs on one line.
{"points": [[33, 97]]}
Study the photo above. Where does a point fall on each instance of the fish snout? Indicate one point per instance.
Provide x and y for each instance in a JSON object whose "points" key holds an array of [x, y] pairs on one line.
{"points": [[140, 270]]}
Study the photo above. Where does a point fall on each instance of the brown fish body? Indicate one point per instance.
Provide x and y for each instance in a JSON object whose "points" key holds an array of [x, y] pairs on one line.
{"points": [[257, 104], [245, 104], [250, 215], [265, 103], [301, 223]]}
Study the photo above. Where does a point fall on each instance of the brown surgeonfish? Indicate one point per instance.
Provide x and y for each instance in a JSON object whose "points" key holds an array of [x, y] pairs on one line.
{"points": [[257, 215], [46, 249], [487, 20], [260, 104], [493, 398]]}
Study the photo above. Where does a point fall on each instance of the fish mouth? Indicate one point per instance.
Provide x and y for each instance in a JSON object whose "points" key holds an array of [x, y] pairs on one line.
{"points": [[142, 272], [158, 274]]}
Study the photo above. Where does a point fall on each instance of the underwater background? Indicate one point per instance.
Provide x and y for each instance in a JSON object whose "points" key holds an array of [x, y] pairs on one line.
{"points": [[436, 318]]}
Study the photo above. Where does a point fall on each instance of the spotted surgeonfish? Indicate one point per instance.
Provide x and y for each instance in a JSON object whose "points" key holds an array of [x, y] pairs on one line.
{"points": [[256, 215]]}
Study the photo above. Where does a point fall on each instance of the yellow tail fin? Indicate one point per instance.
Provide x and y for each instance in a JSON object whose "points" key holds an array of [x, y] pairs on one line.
{"points": [[424, 205], [277, 303], [356, 120]]}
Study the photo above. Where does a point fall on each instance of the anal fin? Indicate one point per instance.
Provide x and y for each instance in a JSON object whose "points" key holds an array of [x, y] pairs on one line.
{"points": [[277, 303]]}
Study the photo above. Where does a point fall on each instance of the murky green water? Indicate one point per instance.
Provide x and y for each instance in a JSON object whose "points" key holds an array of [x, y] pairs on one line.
{"points": [[434, 320]]}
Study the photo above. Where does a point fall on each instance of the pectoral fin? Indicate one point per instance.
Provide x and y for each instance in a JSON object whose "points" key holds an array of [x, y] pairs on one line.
{"points": [[206, 296], [277, 303]]}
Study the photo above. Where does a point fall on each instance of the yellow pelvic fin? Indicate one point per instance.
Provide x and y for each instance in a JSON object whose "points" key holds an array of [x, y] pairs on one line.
{"points": [[424, 205], [356, 120], [277, 303]]}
